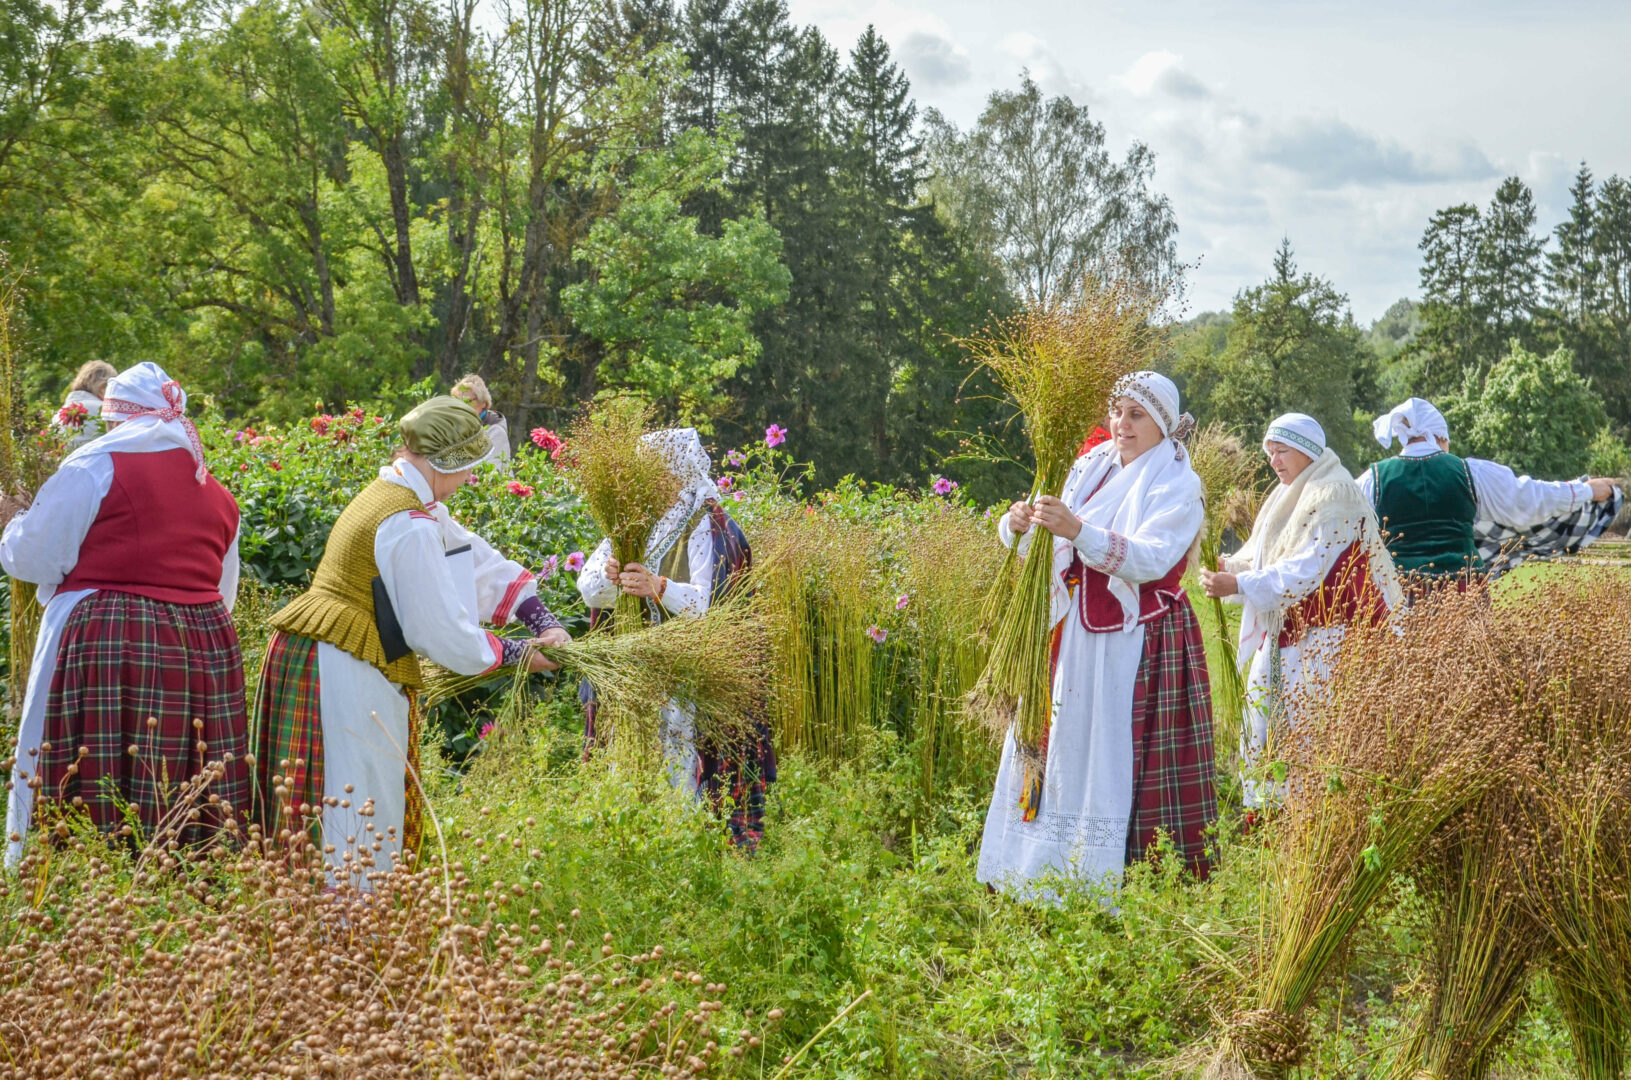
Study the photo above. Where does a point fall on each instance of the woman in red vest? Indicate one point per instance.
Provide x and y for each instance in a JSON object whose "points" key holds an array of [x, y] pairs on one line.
{"points": [[137, 685], [1129, 751]]}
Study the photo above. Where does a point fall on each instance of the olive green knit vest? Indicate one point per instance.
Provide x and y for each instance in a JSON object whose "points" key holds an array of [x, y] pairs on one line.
{"points": [[339, 606], [1427, 506]]}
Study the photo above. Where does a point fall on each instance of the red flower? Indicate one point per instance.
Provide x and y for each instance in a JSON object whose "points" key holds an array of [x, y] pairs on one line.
{"points": [[320, 424], [518, 488], [73, 416], [357, 414], [277, 466], [546, 440]]}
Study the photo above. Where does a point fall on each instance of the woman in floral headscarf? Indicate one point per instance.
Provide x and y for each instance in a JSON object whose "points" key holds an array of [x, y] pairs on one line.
{"points": [[697, 554], [137, 683], [336, 723], [1128, 752]]}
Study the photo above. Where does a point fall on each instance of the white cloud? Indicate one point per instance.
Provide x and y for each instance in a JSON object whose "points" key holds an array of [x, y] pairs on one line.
{"points": [[932, 60]]}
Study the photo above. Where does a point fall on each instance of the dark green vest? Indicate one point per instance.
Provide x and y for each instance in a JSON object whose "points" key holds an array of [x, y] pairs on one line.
{"points": [[1427, 509]]}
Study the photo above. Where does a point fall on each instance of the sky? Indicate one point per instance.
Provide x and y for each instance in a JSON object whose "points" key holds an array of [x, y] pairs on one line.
{"points": [[1341, 126]]}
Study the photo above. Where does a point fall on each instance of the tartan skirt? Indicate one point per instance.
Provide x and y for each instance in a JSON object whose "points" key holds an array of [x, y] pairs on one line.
{"points": [[1173, 766], [287, 735], [145, 694]]}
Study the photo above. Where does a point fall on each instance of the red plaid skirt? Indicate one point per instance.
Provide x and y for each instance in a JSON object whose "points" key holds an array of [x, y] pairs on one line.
{"points": [[1173, 766], [144, 695]]}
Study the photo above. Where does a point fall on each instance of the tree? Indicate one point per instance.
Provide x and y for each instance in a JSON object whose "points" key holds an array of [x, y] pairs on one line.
{"points": [[1036, 188], [1509, 265], [1533, 412], [1291, 346]]}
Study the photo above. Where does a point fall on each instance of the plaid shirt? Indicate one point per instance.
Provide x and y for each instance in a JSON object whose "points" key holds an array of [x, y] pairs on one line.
{"points": [[1503, 548]]}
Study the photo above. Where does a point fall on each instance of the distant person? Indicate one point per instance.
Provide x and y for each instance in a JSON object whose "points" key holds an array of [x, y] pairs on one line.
{"points": [[472, 390], [137, 683], [1429, 500], [1314, 564], [399, 579], [1129, 749], [80, 418], [696, 557]]}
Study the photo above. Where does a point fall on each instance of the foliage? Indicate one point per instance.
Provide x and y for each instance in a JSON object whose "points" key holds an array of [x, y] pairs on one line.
{"points": [[1534, 413]]}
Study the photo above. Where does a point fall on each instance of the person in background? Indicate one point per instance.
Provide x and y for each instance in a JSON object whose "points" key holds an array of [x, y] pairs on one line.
{"points": [[1128, 753], [696, 556], [79, 420], [137, 683], [472, 390], [335, 720], [1314, 564], [1428, 500]]}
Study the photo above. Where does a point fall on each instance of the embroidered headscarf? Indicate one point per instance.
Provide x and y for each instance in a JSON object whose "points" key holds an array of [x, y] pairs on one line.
{"points": [[447, 432], [1298, 431], [682, 449], [1159, 396], [142, 398], [1414, 419]]}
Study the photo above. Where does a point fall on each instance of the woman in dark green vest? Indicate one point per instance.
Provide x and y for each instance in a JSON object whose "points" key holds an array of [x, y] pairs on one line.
{"points": [[1428, 499]]}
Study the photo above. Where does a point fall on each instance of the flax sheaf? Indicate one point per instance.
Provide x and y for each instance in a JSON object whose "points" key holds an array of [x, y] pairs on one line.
{"points": [[339, 606]]}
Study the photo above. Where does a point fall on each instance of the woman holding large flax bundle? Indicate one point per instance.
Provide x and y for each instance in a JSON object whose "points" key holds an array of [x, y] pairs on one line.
{"points": [[1128, 749], [695, 556], [335, 723], [1315, 563], [136, 688]]}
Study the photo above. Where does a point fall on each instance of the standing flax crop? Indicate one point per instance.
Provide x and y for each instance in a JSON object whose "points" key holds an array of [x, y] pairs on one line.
{"points": [[1228, 475], [625, 483], [1058, 366]]}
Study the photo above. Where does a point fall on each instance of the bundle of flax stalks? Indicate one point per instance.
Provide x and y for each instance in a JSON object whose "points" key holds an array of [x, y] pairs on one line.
{"points": [[1058, 366], [714, 664], [625, 482], [1409, 730], [1229, 474]]}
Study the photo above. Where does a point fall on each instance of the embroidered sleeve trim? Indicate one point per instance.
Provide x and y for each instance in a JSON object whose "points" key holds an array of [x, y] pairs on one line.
{"points": [[501, 614], [1116, 557]]}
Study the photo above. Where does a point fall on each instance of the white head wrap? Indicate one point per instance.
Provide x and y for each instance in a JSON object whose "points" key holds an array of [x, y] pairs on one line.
{"points": [[683, 449], [1413, 419], [1299, 431], [141, 399], [1159, 395]]}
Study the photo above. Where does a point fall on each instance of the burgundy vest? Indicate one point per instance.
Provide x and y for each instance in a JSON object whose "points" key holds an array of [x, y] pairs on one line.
{"points": [[159, 533], [1347, 595], [1100, 610]]}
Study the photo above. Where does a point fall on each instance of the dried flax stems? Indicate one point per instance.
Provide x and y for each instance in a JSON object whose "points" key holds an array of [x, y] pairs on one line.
{"points": [[625, 483], [1058, 366], [1228, 473]]}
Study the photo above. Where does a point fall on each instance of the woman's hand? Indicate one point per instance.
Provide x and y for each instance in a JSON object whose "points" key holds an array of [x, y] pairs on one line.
{"points": [[636, 580], [555, 635], [612, 569], [1053, 515], [1602, 488], [537, 661], [1019, 518], [1219, 583]]}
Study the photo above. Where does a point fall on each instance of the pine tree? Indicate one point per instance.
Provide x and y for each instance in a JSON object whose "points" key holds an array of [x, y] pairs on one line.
{"points": [[1571, 270], [1509, 269]]}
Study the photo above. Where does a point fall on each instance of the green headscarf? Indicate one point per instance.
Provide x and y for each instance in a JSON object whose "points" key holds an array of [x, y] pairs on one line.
{"points": [[447, 432]]}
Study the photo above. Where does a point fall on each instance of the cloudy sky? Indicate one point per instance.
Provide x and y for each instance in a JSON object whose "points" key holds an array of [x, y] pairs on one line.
{"points": [[1340, 125]]}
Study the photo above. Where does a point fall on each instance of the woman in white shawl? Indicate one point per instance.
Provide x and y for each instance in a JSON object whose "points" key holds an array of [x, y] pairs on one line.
{"points": [[1314, 564], [1129, 748], [696, 555]]}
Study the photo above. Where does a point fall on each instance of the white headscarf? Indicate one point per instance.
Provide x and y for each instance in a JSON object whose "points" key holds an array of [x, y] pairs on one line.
{"points": [[682, 447], [1413, 419], [1159, 395], [1299, 431], [151, 411]]}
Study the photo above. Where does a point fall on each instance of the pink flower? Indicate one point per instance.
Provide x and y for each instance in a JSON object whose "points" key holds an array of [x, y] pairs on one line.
{"points": [[472, 480], [551, 564], [486, 730], [519, 489], [357, 414], [724, 483], [736, 459], [877, 634], [775, 435], [736, 496], [574, 562], [320, 424], [905, 598], [546, 440], [942, 486]]}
